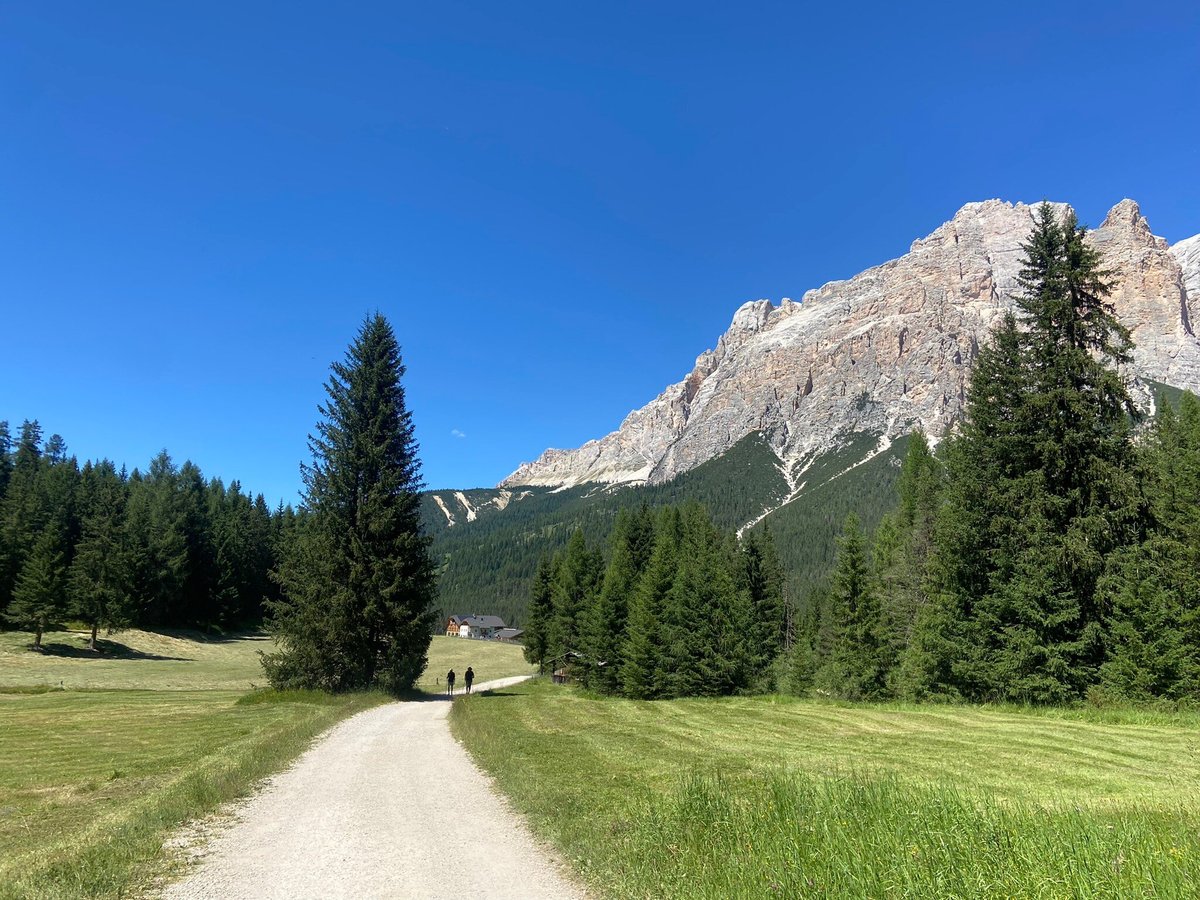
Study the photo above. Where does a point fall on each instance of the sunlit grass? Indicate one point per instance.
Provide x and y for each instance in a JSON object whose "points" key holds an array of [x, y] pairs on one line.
{"points": [[777, 797], [91, 783], [489, 659]]}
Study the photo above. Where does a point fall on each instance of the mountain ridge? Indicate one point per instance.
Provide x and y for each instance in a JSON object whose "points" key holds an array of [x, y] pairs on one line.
{"points": [[885, 351]]}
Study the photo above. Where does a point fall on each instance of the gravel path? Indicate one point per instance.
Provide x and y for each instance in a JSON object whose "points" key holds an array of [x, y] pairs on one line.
{"points": [[387, 804]]}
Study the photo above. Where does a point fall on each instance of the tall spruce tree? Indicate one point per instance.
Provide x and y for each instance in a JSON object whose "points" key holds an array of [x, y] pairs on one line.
{"points": [[99, 573], [642, 657], [764, 578], [539, 615], [358, 583], [576, 584], [607, 624], [1040, 490], [39, 597], [856, 667]]}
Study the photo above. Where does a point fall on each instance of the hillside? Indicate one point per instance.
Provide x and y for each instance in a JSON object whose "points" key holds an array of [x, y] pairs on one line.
{"points": [[489, 561], [799, 414]]}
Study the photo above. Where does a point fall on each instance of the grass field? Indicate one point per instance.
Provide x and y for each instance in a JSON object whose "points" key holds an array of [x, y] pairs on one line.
{"points": [[770, 797], [489, 659], [158, 730]]}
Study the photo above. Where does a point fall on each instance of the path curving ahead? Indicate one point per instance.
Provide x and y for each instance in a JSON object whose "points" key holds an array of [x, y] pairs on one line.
{"points": [[386, 804]]}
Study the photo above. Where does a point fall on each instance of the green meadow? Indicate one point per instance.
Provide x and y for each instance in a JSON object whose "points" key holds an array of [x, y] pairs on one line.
{"points": [[103, 756], [777, 797]]}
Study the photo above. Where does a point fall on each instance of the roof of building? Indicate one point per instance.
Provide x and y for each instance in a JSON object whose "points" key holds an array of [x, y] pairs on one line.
{"points": [[480, 621], [510, 632]]}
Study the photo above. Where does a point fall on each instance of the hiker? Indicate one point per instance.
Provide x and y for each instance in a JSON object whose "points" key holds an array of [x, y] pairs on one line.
{"points": [[470, 676], [450, 682]]}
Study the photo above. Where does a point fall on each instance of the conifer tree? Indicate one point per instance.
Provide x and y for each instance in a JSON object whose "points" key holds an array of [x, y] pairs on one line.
{"points": [[576, 584], [99, 573], [21, 515], [856, 668], [904, 544], [1039, 491], [607, 623], [765, 583], [39, 597], [157, 538], [642, 657], [5, 459], [358, 583], [539, 615], [1151, 590]]}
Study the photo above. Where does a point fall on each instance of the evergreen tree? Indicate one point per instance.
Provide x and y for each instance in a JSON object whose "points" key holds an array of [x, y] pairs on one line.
{"points": [[607, 623], [575, 587], [856, 667], [5, 459], [1151, 590], [764, 579], [22, 514], [1040, 491], [642, 657], [539, 615], [157, 539], [903, 548], [39, 597], [99, 574], [359, 583]]}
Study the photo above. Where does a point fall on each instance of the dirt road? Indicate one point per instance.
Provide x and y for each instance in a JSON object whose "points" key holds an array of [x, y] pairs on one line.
{"points": [[387, 804]]}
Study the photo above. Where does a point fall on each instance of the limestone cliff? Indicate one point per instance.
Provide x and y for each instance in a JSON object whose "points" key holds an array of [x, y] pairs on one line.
{"points": [[884, 352]]}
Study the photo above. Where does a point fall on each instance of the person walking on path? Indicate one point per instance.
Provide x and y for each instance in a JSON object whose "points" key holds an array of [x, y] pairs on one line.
{"points": [[450, 682], [469, 676]]}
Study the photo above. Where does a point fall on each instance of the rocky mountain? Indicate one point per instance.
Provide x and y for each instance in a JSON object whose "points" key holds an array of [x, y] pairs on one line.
{"points": [[882, 353]]}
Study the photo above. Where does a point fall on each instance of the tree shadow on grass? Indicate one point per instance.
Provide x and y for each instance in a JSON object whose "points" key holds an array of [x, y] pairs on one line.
{"points": [[105, 649]]}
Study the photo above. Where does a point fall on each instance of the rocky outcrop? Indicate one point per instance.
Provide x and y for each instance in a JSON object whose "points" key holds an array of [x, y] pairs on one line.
{"points": [[887, 351], [1188, 254]]}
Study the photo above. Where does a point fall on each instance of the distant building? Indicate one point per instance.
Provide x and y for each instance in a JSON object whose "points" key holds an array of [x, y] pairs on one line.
{"points": [[479, 627], [509, 634]]}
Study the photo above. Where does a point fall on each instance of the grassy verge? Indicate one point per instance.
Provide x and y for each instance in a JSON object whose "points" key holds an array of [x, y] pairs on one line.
{"points": [[766, 797]]}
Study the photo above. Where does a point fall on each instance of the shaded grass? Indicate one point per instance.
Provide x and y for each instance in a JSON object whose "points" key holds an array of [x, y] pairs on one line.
{"points": [[91, 783], [774, 797]]}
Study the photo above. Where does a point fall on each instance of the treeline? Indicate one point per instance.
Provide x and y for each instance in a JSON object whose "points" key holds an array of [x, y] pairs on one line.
{"points": [[164, 548], [675, 607], [1051, 551]]}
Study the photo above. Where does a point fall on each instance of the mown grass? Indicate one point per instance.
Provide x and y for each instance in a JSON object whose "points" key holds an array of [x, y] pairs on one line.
{"points": [[102, 756], [134, 660], [92, 783], [489, 659], [771, 797]]}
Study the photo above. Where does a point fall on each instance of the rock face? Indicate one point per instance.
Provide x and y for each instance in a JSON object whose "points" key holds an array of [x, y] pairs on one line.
{"points": [[1188, 254], [887, 351]]}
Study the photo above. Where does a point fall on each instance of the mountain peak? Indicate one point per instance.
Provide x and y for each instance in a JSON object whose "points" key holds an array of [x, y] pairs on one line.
{"points": [[886, 352]]}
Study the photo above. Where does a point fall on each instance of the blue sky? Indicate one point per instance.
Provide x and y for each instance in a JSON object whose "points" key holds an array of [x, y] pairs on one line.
{"points": [[557, 205]]}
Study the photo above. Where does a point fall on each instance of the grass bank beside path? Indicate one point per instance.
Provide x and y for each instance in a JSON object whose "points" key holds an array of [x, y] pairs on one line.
{"points": [[775, 797], [102, 756]]}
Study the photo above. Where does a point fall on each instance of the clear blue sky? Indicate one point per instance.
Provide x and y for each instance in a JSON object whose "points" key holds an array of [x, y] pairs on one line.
{"points": [[558, 205]]}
